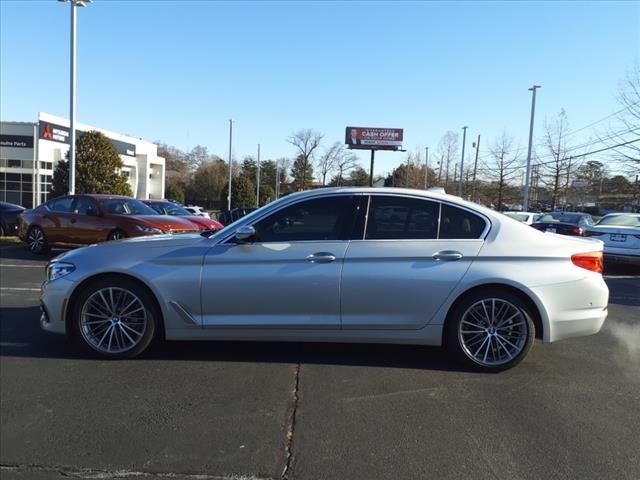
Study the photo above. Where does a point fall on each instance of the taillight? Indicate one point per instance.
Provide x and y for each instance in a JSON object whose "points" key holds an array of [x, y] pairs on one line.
{"points": [[591, 261], [575, 230], [593, 234]]}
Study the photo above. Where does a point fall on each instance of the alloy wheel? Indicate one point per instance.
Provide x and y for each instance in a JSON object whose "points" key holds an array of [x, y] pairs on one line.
{"points": [[113, 320], [493, 332], [35, 240], [117, 235]]}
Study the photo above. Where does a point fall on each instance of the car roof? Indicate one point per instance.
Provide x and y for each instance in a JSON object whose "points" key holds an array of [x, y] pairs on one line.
{"points": [[102, 196]]}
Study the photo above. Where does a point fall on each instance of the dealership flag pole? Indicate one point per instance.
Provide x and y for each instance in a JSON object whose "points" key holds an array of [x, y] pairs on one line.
{"points": [[230, 138]]}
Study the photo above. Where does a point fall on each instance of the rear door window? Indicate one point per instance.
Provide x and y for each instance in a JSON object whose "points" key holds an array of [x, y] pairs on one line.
{"points": [[61, 205], [457, 223], [398, 218]]}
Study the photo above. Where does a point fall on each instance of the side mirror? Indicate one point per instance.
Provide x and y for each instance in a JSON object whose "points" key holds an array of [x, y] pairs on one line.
{"points": [[245, 234], [92, 212]]}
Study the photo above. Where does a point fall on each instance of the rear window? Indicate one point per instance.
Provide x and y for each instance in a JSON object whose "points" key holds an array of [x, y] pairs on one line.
{"points": [[621, 221], [126, 206]]}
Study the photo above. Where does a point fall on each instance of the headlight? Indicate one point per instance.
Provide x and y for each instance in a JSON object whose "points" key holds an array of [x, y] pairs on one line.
{"points": [[59, 269], [144, 228]]}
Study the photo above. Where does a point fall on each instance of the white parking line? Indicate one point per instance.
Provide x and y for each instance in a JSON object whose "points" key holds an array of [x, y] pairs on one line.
{"points": [[18, 289], [21, 266], [13, 344]]}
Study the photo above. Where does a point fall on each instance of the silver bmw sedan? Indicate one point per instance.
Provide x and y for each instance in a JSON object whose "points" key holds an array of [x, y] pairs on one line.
{"points": [[337, 265]]}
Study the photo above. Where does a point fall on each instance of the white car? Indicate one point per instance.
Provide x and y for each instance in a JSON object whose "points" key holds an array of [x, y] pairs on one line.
{"points": [[332, 265], [199, 211], [620, 233], [524, 217]]}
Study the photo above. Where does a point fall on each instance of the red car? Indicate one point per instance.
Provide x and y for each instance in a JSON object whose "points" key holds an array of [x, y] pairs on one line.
{"points": [[165, 207], [87, 219]]}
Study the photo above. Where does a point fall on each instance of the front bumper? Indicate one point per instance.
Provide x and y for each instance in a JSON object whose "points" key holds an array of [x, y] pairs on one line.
{"points": [[54, 299]]}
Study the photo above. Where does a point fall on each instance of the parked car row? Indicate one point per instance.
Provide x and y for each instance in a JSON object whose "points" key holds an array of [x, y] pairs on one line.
{"points": [[87, 219], [620, 232]]}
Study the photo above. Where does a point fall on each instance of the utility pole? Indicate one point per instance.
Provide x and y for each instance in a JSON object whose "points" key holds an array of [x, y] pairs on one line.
{"points": [[464, 140], [373, 156], [277, 179], [258, 180], [475, 168], [230, 163], [525, 198], [426, 168], [455, 173]]}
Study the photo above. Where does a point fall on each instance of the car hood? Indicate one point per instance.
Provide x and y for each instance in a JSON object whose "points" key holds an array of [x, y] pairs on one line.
{"points": [[165, 223], [203, 223]]}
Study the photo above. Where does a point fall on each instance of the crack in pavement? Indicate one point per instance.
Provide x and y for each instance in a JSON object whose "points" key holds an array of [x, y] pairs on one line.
{"points": [[291, 425], [93, 474]]}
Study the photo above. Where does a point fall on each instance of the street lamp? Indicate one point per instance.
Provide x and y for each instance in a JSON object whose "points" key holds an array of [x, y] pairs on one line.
{"points": [[464, 141], [72, 93], [525, 199]]}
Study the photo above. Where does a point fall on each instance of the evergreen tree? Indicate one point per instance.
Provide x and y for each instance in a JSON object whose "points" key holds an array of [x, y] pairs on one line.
{"points": [[302, 173], [98, 166]]}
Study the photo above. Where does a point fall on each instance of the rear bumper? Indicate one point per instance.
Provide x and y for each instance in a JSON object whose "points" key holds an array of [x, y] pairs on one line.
{"points": [[573, 309]]}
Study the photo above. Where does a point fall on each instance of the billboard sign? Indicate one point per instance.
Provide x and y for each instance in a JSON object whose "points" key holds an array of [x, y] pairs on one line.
{"points": [[367, 138]]}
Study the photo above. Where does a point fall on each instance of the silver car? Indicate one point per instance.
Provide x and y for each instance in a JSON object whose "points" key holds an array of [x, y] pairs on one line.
{"points": [[337, 265]]}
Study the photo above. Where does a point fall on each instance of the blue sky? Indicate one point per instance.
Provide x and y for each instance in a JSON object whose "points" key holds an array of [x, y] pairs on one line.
{"points": [[176, 71]]}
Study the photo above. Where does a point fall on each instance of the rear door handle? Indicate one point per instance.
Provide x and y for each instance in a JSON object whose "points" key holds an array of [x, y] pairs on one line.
{"points": [[447, 255], [321, 257]]}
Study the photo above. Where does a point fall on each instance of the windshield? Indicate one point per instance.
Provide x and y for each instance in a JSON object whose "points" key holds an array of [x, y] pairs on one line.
{"points": [[168, 208], [126, 206], [621, 220]]}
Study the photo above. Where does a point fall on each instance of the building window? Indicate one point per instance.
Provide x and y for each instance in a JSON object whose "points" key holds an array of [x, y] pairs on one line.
{"points": [[16, 188], [45, 187], [46, 165], [14, 163]]}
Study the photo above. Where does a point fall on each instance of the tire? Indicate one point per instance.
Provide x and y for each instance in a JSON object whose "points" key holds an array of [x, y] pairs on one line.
{"points": [[116, 235], [37, 241], [490, 330], [116, 318], [2, 232]]}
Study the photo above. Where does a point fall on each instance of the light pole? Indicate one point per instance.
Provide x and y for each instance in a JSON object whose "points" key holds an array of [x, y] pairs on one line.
{"points": [[74, 4], [464, 140], [258, 181], [426, 167], [475, 168], [230, 163], [525, 197]]}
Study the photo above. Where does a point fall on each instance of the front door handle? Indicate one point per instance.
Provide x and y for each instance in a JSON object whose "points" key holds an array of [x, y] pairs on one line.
{"points": [[447, 255], [321, 257]]}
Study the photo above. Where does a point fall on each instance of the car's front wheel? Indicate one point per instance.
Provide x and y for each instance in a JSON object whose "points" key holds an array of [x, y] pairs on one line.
{"points": [[490, 330], [116, 235], [116, 317]]}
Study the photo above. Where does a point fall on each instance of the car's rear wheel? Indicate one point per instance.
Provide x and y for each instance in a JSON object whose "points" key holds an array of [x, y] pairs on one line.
{"points": [[490, 330], [116, 235], [37, 241], [116, 317]]}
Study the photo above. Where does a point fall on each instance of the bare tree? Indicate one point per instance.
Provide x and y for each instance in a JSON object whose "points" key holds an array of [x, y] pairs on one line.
{"points": [[626, 127], [557, 169], [448, 152], [306, 142], [328, 160], [504, 164], [346, 162]]}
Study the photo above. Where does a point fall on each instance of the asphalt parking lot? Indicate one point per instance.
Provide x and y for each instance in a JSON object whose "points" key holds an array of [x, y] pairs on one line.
{"points": [[212, 410]]}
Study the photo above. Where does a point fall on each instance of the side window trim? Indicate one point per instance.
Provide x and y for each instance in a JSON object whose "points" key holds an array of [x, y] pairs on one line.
{"points": [[440, 203]]}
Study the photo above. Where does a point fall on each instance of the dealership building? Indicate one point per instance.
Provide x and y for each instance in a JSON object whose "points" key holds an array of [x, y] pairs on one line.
{"points": [[30, 151]]}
